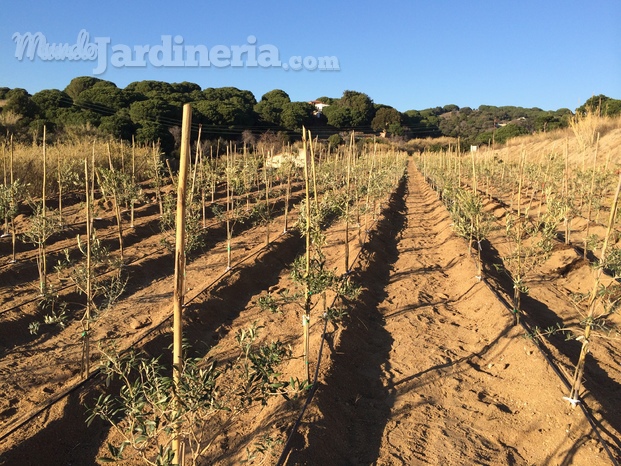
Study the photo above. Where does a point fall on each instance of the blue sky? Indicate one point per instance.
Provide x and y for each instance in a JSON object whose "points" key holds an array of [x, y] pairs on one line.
{"points": [[407, 54]]}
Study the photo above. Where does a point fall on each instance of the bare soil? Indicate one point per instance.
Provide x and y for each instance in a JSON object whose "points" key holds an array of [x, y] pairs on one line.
{"points": [[428, 367]]}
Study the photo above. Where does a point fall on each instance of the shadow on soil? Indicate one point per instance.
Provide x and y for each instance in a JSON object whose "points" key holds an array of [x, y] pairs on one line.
{"points": [[210, 318], [355, 405], [596, 381], [207, 321]]}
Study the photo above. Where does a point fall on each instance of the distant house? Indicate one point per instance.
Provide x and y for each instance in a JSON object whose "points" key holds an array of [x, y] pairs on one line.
{"points": [[319, 106], [275, 161]]}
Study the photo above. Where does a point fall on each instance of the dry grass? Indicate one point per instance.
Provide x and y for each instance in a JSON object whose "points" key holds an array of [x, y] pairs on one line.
{"points": [[69, 157], [426, 144], [586, 127], [580, 139]]}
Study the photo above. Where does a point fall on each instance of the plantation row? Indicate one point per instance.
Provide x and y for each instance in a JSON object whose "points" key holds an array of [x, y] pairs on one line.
{"points": [[523, 208], [241, 189]]}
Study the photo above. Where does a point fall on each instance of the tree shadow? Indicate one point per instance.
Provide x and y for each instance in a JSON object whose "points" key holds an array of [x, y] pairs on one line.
{"points": [[354, 403], [597, 382], [64, 441]]}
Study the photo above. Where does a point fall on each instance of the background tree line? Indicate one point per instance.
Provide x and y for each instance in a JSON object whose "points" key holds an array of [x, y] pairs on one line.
{"points": [[151, 110]]}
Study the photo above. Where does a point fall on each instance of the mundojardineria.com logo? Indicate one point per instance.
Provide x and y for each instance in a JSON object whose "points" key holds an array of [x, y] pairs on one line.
{"points": [[172, 51]]}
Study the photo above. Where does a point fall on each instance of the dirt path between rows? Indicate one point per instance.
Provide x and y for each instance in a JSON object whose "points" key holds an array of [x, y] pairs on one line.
{"points": [[430, 370]]}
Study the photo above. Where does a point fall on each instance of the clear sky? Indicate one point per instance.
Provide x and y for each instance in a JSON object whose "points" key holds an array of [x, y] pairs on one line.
{"points": [[410, 54]]}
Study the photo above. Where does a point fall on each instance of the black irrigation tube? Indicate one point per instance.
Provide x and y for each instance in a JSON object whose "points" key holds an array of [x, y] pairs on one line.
{"points": [[67, 225], [558, 237], [50, 401], [66, 287], [540, 345], [113, 234]]}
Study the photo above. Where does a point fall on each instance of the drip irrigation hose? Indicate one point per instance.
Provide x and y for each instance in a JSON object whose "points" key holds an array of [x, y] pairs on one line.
{"points": [[66, 287], [50, 401], [540, 345]]}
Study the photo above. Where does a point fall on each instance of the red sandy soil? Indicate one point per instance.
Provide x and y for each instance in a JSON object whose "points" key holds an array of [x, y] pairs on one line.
{"points": [[428, 367]]}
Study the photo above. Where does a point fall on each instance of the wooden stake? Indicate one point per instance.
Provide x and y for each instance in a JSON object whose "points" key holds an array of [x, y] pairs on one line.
{"points": [[517, 293], [350, 156], [131, 214], [288, 195], [200, 127], [266, 181], [60, 188], [590, 204], [117, 206], [566, 194], [4, 172], [593, 301], [13, 232], [179, 267], [229, 208], [44, 216], [87, 313], [307, 296]]}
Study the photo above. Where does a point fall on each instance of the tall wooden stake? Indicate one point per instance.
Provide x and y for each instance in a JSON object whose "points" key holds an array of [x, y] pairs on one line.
{"points": [[4, 172], [350, 156], [179, 266], [13, 200], [60, 188], [590, 204], [266, 180], [593, 301], [307, 297], [87, 314], [44, 215], [133, 203]]}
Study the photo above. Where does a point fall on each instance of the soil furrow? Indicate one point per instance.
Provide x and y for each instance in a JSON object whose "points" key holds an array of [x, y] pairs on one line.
{"points": [[431, 370]]}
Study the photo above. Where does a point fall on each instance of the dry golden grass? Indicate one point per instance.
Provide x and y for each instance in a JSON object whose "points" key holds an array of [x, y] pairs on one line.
{"points": [[420, 144], [69, 158], [579, 140]]}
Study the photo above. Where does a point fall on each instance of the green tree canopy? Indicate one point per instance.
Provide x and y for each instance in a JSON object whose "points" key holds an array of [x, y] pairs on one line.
{"points": [[19, 101], [360, 106], [339, 117], [384, 117], [150, 88], [103, 96], [603, 104], [296, 114], [50, 101], [80, 84], [119, 125], [271, 105]]}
